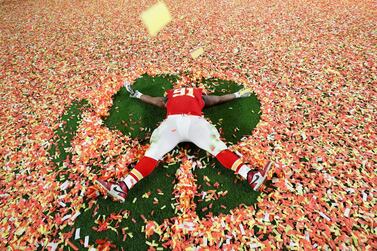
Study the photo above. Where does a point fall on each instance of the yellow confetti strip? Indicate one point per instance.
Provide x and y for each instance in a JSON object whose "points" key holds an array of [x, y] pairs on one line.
{"points": [[195, 54], [156, 17]]}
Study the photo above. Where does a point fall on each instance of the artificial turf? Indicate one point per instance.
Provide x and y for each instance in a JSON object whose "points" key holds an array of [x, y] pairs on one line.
{"points": [[137, 119]]}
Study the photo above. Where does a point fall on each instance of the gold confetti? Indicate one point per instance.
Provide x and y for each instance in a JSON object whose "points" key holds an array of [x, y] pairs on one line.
{"points": [[156, 18], [195, 54]]}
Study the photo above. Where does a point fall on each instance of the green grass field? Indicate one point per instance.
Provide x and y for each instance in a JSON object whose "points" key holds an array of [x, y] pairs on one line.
{"points": [[132, 117]]}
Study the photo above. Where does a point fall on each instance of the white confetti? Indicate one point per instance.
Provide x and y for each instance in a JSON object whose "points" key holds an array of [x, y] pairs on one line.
{"points": [[65, 185], [347, 212], [205, 241], [365, 196], [66, 217], [350, 190], [53, 246], [324, 216], [266, 217], [241, 228], [204, 195], [254, 245], [307, 236], [75, 216], [86, 241], [77, 234]]}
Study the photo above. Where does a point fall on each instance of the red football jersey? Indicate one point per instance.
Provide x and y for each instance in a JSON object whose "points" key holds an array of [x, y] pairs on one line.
{"points": [[184, 101]]}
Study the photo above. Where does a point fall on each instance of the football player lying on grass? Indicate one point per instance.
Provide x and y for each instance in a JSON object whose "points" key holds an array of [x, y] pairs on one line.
{"points": [[184, 123]]}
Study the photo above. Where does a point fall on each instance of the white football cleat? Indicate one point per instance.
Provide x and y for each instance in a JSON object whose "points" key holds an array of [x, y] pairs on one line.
{"points": [[257, 178], [118, 191]]}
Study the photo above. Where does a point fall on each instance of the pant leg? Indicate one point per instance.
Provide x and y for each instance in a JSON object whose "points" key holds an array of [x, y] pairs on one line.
{"points": [[205, 135], [164, 138]]}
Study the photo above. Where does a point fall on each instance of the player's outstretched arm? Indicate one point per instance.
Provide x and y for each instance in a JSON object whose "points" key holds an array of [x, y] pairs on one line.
{"points": [[211, 100], [157, 101]]}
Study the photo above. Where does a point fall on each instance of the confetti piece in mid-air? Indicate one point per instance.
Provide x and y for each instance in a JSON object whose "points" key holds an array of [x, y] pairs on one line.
{"points": [[156, 18], [196, 53]]}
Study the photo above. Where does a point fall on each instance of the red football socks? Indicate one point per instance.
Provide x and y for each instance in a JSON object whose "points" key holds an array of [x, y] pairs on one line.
{"points": [[229, 160], [142, 169]]}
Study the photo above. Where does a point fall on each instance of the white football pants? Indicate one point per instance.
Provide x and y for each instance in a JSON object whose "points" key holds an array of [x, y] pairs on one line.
{"points": [[184, 128]]}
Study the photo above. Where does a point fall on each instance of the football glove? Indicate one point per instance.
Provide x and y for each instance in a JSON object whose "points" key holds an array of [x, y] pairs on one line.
{"points": [[243, 93], [133, 93]]}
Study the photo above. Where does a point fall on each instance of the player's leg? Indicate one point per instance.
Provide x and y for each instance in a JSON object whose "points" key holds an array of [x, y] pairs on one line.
{"points": [[163, 140], [206, 136]]}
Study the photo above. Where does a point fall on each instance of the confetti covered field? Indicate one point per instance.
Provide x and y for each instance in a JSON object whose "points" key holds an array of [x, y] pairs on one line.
{"points": [[312, 65]]}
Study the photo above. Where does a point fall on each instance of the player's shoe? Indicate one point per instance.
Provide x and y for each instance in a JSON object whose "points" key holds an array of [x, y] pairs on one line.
{"points": [[256, 178], [118, 191]]}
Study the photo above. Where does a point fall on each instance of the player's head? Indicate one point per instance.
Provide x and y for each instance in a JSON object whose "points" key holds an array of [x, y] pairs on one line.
{"points": [[192, 84], [186, 84]]}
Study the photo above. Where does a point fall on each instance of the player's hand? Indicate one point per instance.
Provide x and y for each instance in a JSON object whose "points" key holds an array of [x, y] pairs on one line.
{"points": [[243, 93], [133, 93]]}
